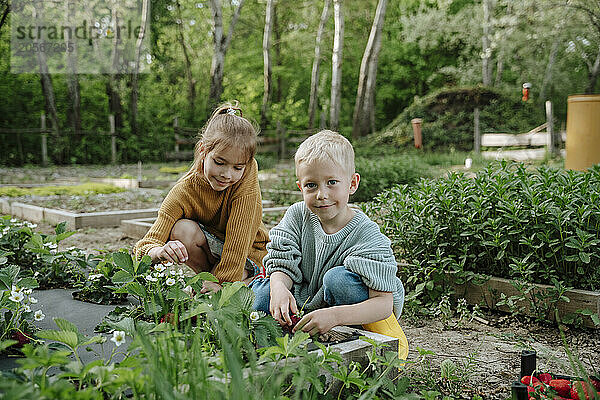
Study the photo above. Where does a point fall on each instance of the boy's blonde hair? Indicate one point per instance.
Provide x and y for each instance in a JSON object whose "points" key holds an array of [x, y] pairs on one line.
{"points": [[225, 129], [326, 146]]}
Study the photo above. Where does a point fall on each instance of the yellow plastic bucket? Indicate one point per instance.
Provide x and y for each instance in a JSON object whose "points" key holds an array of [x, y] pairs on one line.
{"points": [[583, 132]]}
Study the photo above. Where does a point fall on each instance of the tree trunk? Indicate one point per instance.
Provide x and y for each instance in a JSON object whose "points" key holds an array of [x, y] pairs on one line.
{"points": [[277, 90], [314, 77], [548, 74], [486, 64], [336, 65], [114, 98], [72, 79], [191, 82], [221, 44], [267, 63], [136, 69], [363, 120], [593, 75], [46, 79]]}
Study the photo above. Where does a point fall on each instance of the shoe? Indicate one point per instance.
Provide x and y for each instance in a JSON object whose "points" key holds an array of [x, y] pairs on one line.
{"points": [[390, 327]]}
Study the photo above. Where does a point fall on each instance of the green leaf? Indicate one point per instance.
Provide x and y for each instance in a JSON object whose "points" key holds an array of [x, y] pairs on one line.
{"points": [[123, 260], [200, 308], [28, 283], [228, 291], [64, 235], [68, 338], [204, 276], [122, 276], [584, 257], [8, 276], [93, 339], [65, 325], [136, 289], [595, 319], [61, 228]]}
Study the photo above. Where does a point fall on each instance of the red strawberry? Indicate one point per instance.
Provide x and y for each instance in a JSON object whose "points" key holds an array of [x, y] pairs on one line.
{"points": [[536, 391], [582, 390], [21, 338], [545, 377], [595, 383], [529, 380], [561, 386], [295, 319]]}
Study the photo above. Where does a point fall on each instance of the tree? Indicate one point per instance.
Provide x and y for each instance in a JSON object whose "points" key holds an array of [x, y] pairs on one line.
{"points": [[267, 62], [221, 43], [314, 78], [134, 75], [336, 66], [6, 9], [72, 79], [191, 82], [486, 54], [364, 108]]}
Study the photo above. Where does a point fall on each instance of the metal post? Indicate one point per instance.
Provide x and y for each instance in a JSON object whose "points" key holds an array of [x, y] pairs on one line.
{"points": [[113, 139], [552, 139], [477, 134], [44, 140]]}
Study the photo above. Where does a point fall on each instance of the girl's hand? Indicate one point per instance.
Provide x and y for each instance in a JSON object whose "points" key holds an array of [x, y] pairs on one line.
{"points": [[173, 251], [210, 287], [317, 322], [282, 302]]}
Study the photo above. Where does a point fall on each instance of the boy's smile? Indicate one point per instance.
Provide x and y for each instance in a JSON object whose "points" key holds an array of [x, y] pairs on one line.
{"points": [[326, 188]]}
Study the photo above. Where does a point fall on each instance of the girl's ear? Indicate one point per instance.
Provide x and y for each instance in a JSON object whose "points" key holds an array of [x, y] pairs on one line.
{"points": [[354, 183]]}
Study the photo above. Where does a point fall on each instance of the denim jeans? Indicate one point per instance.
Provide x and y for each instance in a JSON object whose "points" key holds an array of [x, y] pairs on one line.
{"points": [[340, 287]]}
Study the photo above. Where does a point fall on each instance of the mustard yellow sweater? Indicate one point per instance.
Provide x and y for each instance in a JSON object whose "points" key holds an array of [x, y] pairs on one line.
{"points": [[234, 215]]}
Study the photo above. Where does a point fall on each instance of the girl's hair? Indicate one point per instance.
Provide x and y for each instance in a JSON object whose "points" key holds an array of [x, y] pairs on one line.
{"points": [[225, 129]]}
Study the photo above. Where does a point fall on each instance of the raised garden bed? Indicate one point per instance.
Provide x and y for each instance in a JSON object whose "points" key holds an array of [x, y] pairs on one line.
{"points": [[489, 294]]}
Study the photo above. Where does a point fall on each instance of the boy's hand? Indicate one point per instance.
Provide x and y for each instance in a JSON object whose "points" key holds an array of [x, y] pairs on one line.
{"points": [[282, 302], [318, 321]]}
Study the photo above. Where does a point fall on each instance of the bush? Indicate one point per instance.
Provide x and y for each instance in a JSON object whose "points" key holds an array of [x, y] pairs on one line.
{"points": [[537, 225], [377, 175]]}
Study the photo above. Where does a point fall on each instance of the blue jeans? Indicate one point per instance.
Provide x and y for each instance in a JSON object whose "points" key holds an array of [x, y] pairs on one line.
{"points": [[340, 287]]}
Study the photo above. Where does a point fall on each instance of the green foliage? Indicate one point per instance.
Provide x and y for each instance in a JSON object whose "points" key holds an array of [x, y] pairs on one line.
{"points": [[84, 189], [382, 173], [38, 256], [534, 225], [448, 119]]}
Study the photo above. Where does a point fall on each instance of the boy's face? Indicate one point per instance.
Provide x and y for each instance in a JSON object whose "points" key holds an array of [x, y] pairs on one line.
{"points": [[326, 188]]}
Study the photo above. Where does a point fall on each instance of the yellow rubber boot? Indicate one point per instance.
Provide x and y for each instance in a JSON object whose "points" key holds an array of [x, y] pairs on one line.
{"points": [[391, 327]]}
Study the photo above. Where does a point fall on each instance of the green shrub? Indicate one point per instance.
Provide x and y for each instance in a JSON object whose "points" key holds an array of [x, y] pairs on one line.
{"points": [[540, 225], [377, 175]]}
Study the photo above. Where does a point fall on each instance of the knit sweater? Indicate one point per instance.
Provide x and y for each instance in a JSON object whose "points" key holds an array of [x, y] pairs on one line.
{"points": [[301, 249], [234, 215]]}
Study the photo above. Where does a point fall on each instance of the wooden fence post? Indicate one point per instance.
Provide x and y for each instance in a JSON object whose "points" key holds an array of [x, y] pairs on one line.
{"points": [[175, 126], [113, 139], [44, 140], [552, 137], [477, 143]]}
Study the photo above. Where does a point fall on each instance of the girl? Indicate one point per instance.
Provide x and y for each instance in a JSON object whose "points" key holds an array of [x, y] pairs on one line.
{"points": [[211, 220]]}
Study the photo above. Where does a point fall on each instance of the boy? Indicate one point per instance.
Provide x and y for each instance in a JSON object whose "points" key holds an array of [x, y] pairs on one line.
{"points": [[326, 258]]}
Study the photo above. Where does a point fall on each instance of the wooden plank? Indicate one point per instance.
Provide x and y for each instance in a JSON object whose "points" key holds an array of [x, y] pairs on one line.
{"points": [[112, 218], [517, 155], [136, 228], [57, 216], [124, 183], [27, 211], [5, 207], [507, 139], [488, 294]]}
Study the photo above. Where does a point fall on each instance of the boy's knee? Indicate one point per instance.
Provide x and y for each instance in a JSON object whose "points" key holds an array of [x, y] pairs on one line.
{"points": [[187, 231], [343, 287], [261, 287], [334, 278]]}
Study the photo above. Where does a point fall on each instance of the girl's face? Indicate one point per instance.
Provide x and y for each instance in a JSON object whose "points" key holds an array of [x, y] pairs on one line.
{"points": [[224, 167]]}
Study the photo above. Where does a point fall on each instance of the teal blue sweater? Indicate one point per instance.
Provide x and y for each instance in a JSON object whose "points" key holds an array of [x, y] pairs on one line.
{"points": [[302, 250]]}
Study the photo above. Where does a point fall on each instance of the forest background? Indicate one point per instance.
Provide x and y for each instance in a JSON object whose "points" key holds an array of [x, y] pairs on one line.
{"points": [[357, 64]]}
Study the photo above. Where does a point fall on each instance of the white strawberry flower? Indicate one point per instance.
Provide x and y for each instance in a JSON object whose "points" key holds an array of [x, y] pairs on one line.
{"points": [[26, 308], [33, 300], [94, 277], [17, 297], [188, 289], [160, 267], [170, 282], [118, 337], [27, 291], [150, 278], [254, 316], [38, 315]]}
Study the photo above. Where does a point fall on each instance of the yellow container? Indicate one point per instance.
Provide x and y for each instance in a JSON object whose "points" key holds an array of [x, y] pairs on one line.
{"points": [[583, 132]]}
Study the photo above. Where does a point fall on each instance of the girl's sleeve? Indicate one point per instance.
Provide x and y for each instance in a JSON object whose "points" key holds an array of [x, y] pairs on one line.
{"points": [[244, 220], [170, 211], [284, 252]]}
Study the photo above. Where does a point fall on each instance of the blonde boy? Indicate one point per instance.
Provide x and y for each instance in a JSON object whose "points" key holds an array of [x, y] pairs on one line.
{"points": [[325, 257]]}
